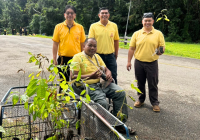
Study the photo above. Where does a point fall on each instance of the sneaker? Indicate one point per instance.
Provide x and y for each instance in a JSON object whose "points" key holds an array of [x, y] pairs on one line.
{"points": [[156, 108], [138, 104]]}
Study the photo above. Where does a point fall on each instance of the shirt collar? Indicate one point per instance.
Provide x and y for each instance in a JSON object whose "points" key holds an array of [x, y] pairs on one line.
{"points": [[74, 23], [87, 55], [152, 31], [102, 24]]}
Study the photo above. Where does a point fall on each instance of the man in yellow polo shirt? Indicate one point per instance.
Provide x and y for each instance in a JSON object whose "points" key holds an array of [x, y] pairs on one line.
{"points": [[68, 39], [92, 73], [107, 36], [143, 45]]}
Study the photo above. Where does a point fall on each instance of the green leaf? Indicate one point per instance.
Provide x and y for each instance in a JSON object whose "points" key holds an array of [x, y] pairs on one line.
{"points": [[83, 92], [30, 74], [63, 85], [42, 108], [131, 97], [2, 129], [31, 109], [32, 59], [77, 124], [41, 90], [34, 116], [70, 61], [32, 87], [72, 94], [129, 106], [87, 97], [15, 99], [55, 70], [79, 75], [158, 19], [79, 105], [67, 98], [86, 85], [63, 76], [30, 53], [51, 61], [92, 89], [45, 114], [26, 105], [166, 19], [70, 87]]}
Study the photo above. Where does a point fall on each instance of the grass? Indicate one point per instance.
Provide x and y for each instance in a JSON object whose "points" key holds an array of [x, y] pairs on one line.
{"points": [[177, 49]]}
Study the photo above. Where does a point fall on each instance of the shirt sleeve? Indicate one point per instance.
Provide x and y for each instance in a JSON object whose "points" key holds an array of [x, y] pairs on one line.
{"points": [[133, 41], [162, 40], [91, 32], [82, 35], [116, 37], [56, 34]]}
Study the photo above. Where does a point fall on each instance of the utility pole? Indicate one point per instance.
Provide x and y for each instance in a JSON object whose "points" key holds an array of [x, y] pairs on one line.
{"points": [[125, 39], [40, 18]]}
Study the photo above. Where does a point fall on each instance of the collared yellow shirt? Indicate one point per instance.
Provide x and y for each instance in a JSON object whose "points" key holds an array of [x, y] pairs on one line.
{"points": [[86, 66], [69, 39], [146, 44], [105, 36]]}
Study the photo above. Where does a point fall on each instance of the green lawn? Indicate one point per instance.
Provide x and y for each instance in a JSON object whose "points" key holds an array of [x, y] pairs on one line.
{"points": [[177, 49]]}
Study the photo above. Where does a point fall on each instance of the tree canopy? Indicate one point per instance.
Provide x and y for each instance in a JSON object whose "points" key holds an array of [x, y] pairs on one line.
{"points": [[183, 15]]}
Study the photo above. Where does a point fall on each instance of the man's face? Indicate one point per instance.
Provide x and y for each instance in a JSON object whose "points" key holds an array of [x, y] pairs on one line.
{"points": [[104, 15], [90, 47], [69, 15], [147, 23]]}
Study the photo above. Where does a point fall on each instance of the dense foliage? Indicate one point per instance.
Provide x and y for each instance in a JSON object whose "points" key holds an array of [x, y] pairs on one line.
{"points": [[183, 15]]}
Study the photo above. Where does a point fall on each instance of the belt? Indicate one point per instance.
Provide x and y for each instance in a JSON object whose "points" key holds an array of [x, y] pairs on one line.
{"points": [[106, 54]]}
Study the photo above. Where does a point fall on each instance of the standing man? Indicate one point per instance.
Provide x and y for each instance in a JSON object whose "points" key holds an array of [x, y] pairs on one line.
{"points": [[107, 36], [143, 45], [20, 31], [5, 31], [68, 39]]}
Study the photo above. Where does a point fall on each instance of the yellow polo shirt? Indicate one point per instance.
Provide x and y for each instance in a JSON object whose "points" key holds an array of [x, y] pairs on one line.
{"points": [[146, 44], [69, 39], [105, 36], [86, 66]]}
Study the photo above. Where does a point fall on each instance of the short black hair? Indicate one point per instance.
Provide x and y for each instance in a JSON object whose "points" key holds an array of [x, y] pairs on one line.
{"points": [[70, 7], [148, 15], [86, 41], [103, 8]]}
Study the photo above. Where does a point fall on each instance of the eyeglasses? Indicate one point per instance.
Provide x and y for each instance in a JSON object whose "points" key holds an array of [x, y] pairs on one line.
{"points": [[68, 13], [148, 15], [104, 13]]}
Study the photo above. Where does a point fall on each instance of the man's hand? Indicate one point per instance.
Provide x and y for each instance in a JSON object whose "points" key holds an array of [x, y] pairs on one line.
{"points": [[95, 75], [159, 51], [129, 66], [109, 76], [55, 62], [116, 56]]}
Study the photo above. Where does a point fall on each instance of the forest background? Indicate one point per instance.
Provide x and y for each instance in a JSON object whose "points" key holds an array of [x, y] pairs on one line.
{"points": [[183, 26]]}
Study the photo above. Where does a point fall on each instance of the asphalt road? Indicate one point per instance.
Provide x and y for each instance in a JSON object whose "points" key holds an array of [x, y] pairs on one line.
{"points": [[179, 88]]}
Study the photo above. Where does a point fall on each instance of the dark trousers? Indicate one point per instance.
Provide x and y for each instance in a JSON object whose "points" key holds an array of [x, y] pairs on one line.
{"points": [[111, 64], [149, 71], [62, 60]]}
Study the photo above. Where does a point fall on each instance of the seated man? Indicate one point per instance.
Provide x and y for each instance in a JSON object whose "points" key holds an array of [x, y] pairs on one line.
{"points": [[92, 73]]}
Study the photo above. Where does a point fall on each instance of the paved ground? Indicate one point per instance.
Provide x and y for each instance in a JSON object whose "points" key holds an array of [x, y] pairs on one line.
{"points": [[179, 89]]}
